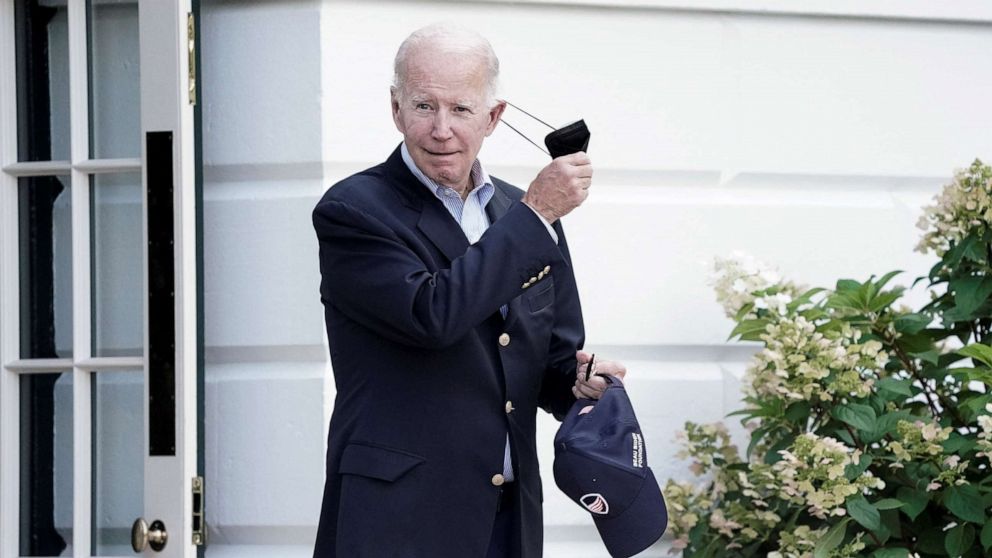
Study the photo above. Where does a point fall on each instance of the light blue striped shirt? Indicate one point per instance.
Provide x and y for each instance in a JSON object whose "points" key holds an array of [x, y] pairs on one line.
{"points": [[470, 215]]}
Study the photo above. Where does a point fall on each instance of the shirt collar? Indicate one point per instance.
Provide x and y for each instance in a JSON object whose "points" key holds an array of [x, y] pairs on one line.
{"points": [[478, 175]]}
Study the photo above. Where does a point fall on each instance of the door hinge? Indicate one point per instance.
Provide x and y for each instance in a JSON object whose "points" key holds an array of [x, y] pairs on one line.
{"points": [[191, 47], [199, 524]]}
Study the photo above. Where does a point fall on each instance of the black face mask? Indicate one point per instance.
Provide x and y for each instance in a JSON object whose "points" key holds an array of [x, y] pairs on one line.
{"points": [[562, 141]]}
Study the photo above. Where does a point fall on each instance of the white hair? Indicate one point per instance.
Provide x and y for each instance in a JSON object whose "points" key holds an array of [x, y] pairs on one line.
{"points": [[449, 38]]}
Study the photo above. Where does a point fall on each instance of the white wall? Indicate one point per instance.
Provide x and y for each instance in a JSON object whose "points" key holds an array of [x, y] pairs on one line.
{"points": [[808, 140]]}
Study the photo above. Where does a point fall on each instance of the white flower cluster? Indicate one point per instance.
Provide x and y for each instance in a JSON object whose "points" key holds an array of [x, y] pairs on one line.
{"points": [[800, 363], [918, 439], [985, 436], [962, 206], [741, 280], [708, 445], [801, 542], [812, 474], [684, 500]]}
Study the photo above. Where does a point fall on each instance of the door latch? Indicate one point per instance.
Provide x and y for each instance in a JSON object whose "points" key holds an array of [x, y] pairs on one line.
{"points": [[199, 524]]}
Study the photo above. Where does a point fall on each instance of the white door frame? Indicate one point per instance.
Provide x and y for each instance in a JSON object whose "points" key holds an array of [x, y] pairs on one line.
{"points": [[165, 106]]}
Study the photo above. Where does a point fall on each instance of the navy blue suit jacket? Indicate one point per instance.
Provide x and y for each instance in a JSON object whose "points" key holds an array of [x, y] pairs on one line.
{"points": [[423, 383]]}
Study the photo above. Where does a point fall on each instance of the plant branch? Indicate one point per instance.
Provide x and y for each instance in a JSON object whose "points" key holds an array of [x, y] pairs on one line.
{"points": [[858, 443], [914, 371]]}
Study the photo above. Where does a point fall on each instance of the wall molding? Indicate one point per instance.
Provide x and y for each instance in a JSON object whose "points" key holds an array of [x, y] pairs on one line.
{"points": [[963, 11]]}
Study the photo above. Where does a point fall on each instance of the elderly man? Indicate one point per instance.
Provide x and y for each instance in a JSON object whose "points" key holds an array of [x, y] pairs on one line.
{"points": [[452, 314]]}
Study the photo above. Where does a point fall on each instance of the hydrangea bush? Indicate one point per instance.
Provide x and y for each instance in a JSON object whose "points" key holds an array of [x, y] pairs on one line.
{"points": [[870, 422]]}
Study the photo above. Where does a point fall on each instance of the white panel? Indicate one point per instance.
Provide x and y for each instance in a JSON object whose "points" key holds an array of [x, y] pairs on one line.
{"points": [[680, 90], [643, 256], [261, 89], [260, 269], [264, 451]]}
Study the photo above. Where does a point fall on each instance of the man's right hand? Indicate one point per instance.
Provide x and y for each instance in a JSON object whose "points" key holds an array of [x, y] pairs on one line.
{"points": [[561, 186]]}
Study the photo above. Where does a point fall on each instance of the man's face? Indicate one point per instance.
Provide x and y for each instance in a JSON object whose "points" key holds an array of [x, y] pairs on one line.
{"points": [[442, 114]]}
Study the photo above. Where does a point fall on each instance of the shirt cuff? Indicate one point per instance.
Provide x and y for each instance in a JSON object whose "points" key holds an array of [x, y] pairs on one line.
{"points": [[547, 225]]}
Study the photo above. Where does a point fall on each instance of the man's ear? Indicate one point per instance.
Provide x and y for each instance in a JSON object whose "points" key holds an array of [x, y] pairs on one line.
{"points": [[495, 114], [394, 101]]}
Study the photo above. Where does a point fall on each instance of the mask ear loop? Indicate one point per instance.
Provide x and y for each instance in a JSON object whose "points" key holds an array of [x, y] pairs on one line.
{"points": [[521, 133]]}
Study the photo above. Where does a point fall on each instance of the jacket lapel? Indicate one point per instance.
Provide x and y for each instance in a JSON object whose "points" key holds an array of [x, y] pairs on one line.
{"points": [[434, 221], [438, 226], [498, 205]]}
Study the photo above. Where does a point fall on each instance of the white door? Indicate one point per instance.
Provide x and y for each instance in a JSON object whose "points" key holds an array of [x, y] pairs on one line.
{"points": [[99, 297]]}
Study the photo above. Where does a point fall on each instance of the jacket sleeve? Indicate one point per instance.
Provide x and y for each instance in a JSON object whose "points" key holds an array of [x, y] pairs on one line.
{"points": [[567, 337], [381, 281]]}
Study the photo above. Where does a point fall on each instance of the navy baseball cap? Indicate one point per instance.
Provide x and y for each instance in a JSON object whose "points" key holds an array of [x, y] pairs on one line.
{"points": [[601, 464]]}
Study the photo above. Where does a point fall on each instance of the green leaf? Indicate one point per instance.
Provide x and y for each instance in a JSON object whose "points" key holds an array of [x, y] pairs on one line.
{"points": [[853, 471], [890, 553], [965, 502], [916, 342], [891, 526], [986, 536], [902, 387], [978, 351], [804, 298], [957, 444], [750, 330], [971, 292], [831, 539], [883, 300], [886, 424], [863, 512], [932, 356], [773, 456], [861, 417], [914, 501], [885, 279], [847, 285], [931, 541], [983, 375], [959, 539], [889, 504], [953, 256], [844, 436], [911, 323], [756, 437], [798, 412]]}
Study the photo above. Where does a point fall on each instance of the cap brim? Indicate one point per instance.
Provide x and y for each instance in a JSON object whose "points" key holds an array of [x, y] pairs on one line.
{"points": [[639, 526]]}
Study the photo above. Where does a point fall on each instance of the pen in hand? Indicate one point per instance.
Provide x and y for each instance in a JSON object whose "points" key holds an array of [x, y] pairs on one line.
{"points": [[589, 366]]}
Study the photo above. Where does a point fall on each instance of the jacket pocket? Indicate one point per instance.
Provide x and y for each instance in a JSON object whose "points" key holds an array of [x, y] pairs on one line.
{"points": [[541, 300], [377, 462]]}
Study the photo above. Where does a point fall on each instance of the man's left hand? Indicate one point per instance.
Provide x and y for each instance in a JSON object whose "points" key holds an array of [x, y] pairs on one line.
{"points": [[594, 387]]}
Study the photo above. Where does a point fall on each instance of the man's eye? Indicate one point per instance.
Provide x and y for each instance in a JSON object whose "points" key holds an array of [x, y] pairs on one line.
{"points": [[462, 109], [422, 106]]}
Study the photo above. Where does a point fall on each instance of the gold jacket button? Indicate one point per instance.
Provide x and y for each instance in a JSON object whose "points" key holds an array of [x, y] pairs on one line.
{"points": [[504, 339], [509, 407], [498, 480]]}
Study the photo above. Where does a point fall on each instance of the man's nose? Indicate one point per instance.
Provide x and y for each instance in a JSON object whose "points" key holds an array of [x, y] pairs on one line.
{"points": [[442, 126]]}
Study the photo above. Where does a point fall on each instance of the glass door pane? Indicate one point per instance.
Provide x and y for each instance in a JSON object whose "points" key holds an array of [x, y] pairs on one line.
{"points": [[46, 464], [115, 112], [117, 253], [118, 459], [46, 266], [42, 47]]}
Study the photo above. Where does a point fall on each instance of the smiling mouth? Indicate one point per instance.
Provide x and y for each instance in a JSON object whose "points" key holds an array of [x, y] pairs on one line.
{"points": [[440, 154]]}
